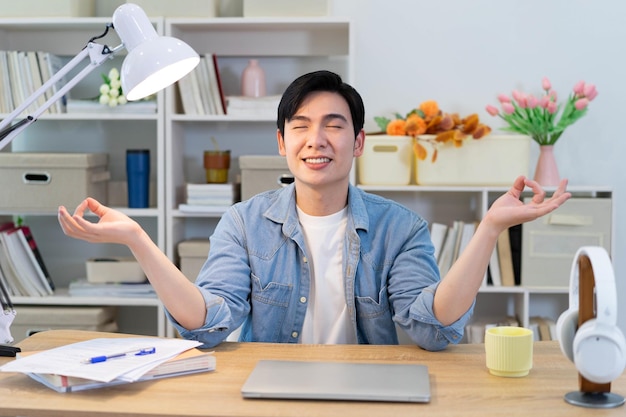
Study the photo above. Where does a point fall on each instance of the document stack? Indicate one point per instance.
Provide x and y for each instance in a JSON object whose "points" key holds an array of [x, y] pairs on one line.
{"points": [[105, 362], [210, 197]]}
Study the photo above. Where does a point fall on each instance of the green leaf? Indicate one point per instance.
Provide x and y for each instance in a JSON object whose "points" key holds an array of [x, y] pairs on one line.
{"points": [[382, 122]]}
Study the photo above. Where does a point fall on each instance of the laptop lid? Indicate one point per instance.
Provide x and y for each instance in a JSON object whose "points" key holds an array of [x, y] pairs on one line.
{"points": [[338, 381]]}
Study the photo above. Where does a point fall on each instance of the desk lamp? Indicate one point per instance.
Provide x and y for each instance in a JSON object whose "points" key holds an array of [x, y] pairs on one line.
{"points": [[153, 63]]}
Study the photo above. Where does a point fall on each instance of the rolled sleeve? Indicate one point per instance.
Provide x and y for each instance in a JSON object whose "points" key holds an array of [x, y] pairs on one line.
{"points": [[422, 311]]}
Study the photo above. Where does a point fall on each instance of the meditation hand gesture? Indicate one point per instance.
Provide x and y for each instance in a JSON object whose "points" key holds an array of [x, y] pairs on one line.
{"points": [[112, 226], [508, 210]]}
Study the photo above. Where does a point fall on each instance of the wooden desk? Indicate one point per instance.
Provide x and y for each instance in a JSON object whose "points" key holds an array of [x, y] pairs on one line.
{"points": [[460, 385]]}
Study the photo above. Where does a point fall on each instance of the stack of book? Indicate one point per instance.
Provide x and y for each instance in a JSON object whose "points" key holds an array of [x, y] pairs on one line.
{"points": [[261, 107], [450, 242], [505, 263], [22, 268], [201, 90], [22, 73], [210, 197], [84, 288]]}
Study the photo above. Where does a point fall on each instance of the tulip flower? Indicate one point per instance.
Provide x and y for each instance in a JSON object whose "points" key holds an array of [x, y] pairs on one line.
{"points": [[544, 119]]}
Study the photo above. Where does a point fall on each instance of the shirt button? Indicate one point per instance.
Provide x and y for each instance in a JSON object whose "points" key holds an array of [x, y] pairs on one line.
{"points": [[303, 300], [304, 259], [294, 334]]}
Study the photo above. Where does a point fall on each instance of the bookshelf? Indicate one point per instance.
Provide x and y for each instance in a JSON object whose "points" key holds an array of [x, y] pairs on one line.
{"points": [[88, 132], [446, 204], [285, 48]]}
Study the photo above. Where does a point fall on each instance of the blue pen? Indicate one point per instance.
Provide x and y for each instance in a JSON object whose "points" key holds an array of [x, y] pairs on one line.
{"points": [[136, 352]]}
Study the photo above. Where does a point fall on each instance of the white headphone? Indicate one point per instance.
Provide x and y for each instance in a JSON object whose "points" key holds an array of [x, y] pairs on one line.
{"points": [[598, 347]]}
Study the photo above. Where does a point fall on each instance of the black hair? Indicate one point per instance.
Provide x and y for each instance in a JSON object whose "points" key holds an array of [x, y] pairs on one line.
{"points": [[300, 88]]}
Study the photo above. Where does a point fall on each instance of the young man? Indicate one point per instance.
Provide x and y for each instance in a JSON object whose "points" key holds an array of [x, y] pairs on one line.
{"points": [[320, 261]]}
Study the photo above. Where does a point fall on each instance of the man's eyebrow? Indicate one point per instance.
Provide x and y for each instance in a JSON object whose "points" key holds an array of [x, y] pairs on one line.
{"points": [[326, 118]]}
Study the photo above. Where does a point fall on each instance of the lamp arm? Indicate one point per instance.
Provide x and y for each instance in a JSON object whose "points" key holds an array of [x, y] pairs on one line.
{"points": [[97, 55]]}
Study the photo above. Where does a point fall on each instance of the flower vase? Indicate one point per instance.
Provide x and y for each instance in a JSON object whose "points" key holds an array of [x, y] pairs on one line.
{"points": [[253, 80], [547, 172]]}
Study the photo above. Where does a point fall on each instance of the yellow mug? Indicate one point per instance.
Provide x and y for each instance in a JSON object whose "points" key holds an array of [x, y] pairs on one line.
{"points": [[509, 351]]}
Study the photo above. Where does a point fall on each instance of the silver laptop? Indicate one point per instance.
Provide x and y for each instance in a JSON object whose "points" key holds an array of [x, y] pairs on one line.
{"points": [[338, 381]]}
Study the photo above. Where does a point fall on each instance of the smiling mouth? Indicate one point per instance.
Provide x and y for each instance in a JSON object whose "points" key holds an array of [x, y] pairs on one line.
{"points": [[316, 160]]}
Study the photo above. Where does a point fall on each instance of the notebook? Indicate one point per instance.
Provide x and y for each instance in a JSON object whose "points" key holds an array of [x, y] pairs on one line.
{"points": [[338, 381]]}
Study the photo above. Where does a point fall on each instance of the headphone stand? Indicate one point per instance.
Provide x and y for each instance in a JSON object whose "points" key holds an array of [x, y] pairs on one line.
{"points": [[591, 394]]}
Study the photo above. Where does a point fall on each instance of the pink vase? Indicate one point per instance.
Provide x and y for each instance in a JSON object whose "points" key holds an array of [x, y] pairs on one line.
{"points": [[547, 172], [253, 80]]}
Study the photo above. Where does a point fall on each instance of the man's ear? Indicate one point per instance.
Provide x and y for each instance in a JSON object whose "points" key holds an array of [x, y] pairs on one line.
{"points": [[281, 143], [359, 143]]}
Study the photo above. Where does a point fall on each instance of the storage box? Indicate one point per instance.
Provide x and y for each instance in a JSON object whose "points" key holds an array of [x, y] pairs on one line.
{"points": [[493, 160], [117, 269], [193, 254], [47, 8], [30, 319], [386, 160], [550, 242], [43, 181], [262, 173], [179, 8], [267, 8]]}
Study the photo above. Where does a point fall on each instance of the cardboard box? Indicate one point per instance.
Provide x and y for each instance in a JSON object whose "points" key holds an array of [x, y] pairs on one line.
{"points": [[262, 173], [117, 269], [386, 160], [47, 8], [550, 242], [193, 254], [493, 160], [43, 181], [30, 319]]}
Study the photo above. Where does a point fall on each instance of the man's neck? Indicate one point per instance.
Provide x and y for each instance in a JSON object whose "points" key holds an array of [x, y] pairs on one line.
{"points": [[316, 201]]}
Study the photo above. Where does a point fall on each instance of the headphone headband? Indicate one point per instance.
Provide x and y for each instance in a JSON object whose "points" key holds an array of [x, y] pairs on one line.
{"points": [[604, 278]]}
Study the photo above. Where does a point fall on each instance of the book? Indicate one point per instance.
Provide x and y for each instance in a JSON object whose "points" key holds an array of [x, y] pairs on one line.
{"points": [[39, 258], [446, 258], [18, 261], [494, 268], [505, 259], [438, 233], [189, 362], [515, 238], [214, 89], [218, 81], [84, 288]]}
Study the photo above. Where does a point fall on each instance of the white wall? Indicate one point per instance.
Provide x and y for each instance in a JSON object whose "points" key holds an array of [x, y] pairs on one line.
{"points": [[463, 53]]}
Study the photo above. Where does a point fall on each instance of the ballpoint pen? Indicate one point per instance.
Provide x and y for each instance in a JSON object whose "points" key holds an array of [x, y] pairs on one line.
{"points": [[135, 352]]}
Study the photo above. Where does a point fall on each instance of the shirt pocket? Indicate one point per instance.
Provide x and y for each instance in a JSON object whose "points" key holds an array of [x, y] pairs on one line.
{"points": [[368, 308], [270, 304]]}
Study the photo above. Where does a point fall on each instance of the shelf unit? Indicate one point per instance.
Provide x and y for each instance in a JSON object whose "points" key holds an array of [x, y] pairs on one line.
{"points": [[111, 133], [285, 49], [444, 204]]}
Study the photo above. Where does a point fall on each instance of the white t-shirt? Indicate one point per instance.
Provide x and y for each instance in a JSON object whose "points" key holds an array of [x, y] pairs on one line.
{"points": [[327, 320]]}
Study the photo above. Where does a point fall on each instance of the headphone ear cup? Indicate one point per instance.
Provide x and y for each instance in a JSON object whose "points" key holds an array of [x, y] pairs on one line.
{"points": [[599, 351], [566, 327]]}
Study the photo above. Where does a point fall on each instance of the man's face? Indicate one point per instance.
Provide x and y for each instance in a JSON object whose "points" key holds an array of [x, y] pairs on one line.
{"points": [[319, 141]]}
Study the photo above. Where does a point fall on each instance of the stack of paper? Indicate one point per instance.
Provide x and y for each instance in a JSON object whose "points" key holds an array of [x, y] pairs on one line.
{"points": [[112, 361], [210, 197]]}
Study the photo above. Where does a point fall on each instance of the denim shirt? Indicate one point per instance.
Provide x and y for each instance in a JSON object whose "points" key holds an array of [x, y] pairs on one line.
{"points": [[257, 273]]}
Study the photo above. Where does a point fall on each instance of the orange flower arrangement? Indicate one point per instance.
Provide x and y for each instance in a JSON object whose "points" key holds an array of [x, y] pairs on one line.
{"points": [[427, 123]]}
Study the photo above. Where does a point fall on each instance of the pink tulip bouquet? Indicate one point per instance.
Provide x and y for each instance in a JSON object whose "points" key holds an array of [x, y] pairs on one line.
{"points": [[542, 118]]}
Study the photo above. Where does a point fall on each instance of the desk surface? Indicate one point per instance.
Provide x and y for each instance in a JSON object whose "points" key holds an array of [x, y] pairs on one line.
{"points": [[460, 385]]}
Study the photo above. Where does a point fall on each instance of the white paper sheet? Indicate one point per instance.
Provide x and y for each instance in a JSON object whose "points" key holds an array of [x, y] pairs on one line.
{"points": [[69, 359]]}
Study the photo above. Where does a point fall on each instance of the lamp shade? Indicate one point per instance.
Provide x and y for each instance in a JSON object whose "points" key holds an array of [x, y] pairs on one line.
{"points": [[153, 62]]}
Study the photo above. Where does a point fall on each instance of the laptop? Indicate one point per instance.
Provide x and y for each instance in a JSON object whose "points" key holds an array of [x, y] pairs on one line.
{"points": [[357, 381]]}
